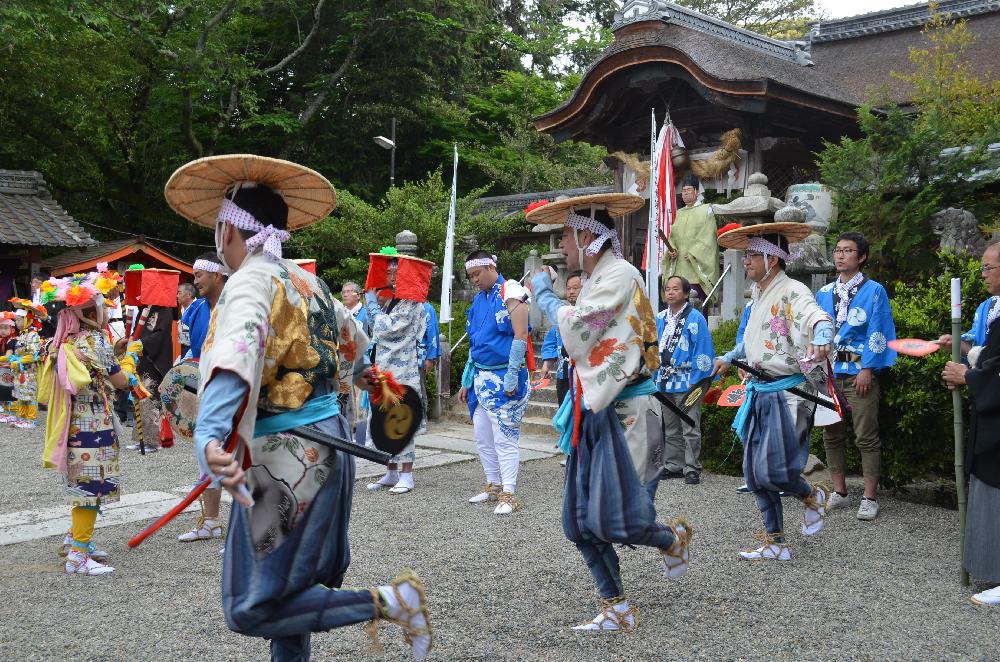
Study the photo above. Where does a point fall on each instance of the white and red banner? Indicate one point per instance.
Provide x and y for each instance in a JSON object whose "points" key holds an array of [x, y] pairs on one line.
{"points": [[662, 205]]}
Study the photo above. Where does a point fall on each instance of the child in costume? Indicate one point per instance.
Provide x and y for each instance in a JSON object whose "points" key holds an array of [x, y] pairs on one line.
{"points": [[77, 381], [23, 362], [8, 340]]}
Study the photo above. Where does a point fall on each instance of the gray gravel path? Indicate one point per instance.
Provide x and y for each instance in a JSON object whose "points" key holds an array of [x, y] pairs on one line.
{"points": [[508, 588]]}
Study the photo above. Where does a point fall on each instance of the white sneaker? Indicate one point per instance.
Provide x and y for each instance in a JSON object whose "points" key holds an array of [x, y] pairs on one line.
{"points": [[508, 504], [613, 617], [676, 560], [989, 598], [868, 510], [836, 501], [80, 563], [92, 551], [814, 514], [205, 529], [489, 493], [406, 605], [385, 482], [772, 549]]}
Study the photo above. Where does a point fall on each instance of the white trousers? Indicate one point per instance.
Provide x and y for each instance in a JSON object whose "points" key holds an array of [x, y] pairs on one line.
{"points": [[500, 454]]}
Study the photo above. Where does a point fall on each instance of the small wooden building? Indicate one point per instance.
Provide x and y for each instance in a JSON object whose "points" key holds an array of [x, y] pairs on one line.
{"points": [[119, 255]]}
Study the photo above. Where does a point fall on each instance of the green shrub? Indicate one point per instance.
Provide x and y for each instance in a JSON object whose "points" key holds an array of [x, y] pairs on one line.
{"points": [[721, 451]]}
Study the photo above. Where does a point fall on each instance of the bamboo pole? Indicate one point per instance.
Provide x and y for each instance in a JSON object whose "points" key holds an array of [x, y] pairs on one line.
{"points": [[956, 399]]}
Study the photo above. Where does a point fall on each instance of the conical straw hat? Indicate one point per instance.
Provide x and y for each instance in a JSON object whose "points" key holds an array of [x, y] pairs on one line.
{"points": [[196, 189], [555, 213]]}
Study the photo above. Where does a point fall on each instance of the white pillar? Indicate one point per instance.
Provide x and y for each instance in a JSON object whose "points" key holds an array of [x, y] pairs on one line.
{"points": [[733, 285]]}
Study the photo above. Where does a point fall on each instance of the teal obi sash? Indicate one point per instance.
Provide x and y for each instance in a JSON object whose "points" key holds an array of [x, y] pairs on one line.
{"points": [[314, 410], [563, 420], [743, 413], [469, 374]]}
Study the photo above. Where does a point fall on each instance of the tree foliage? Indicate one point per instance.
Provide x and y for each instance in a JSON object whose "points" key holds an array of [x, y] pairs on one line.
{"points": [[906, 166]]}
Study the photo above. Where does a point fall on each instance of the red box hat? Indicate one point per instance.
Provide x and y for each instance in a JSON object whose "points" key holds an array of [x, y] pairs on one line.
{"points": [[413, 275], [151, 287]]}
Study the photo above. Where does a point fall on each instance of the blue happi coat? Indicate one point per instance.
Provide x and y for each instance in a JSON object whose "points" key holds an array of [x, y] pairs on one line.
{"points": [[977, 334], [867, 331], [552, 351], [692, 358], [490, 336]]}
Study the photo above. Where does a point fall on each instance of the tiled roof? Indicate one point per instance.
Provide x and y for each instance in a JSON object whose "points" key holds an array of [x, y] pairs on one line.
{"points": [[113, 250], [30, 217], [898, 18]]}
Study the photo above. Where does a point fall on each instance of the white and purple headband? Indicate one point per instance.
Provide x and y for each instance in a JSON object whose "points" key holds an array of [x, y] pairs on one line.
{"points": [[481, 262], [764, 246], [206, 265], [602, 231], [268, 236]]}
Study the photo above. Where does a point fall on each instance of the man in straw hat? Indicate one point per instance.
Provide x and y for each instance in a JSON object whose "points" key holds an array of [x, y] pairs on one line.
{"points": [[277, 348], [611, 424], [495, 380], [788, 336]]}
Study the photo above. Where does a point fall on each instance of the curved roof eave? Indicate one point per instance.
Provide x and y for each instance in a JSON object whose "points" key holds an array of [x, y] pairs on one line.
{"points": [[613, 63]]}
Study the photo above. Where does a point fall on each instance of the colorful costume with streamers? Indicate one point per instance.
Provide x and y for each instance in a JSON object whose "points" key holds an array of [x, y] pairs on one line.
{"points": [[27, 354], [496, 417], [82, 432], [8, 341], [864, 326], [686, 358]]}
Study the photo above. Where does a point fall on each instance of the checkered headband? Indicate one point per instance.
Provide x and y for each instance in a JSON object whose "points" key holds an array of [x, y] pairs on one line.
{"points": [[764, 246], [270, 237], [206, 265], [602, 231], [481, 262]]}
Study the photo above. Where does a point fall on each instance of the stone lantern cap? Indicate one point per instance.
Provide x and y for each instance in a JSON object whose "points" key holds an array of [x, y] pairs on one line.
{"points": [[756, 202]]}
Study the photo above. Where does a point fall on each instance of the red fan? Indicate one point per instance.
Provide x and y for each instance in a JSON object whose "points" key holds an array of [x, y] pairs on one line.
{"points": [[914, 346], [541, 383], [733, 396]]}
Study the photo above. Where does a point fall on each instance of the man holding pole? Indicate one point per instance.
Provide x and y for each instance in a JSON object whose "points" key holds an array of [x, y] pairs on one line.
{"points": [[693, 249], [277, 348], [981, 458]]}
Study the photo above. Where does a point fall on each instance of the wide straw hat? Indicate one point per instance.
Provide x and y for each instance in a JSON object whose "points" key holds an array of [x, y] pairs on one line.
{"points": [[739, 237], [555, 213], [196, 189]]}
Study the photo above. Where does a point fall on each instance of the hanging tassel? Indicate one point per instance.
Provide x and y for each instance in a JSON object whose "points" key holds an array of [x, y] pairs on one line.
{"points": [[387, 392]]}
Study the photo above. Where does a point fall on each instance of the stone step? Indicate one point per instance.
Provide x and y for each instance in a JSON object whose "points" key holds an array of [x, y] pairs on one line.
{"points": [[547, 394], [544, 410], [539, 426]]}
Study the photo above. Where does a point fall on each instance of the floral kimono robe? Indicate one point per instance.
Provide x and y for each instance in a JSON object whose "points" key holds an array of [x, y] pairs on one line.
{"points": [[778, 423], [278, 329], [396, 336]]}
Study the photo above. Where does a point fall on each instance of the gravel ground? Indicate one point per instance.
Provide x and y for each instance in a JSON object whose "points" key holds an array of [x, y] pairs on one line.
{"points": [[508, 588]]}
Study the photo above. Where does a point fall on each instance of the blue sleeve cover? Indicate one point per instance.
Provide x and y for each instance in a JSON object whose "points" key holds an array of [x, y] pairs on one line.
{"points": [[220, 400]]}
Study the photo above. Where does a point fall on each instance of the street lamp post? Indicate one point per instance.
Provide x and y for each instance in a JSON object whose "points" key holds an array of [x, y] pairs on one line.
{"points": [[390, 144]]}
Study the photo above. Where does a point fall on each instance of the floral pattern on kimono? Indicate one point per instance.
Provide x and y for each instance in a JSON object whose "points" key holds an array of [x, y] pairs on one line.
{"points": [[779, 329], [279, 330], [610, 333]]}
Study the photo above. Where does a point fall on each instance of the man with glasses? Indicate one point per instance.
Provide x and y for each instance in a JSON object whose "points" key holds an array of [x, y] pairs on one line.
{"points": [[864, 326], [788, 336], [987, 311], [350, 294]]}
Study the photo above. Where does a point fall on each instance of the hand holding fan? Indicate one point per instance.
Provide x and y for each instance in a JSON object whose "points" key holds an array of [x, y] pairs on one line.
{"points": [[914, 346]]}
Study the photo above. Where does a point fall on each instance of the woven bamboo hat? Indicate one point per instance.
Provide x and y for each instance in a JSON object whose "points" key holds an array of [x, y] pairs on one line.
{"points": [[196, 189], [787, 222], [555, 213]]}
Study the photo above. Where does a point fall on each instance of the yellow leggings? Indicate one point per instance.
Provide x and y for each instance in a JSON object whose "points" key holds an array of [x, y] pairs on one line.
{"points": [[27, 410], [83, 526]]}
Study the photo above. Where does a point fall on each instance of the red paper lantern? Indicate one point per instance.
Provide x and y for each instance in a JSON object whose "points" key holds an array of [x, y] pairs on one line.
{"points": [[413, 275], [151, 287]]}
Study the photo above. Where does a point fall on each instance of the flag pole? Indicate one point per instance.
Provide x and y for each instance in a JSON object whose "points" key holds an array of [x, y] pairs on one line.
{"points": [[448, 269], [652, 237]]}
